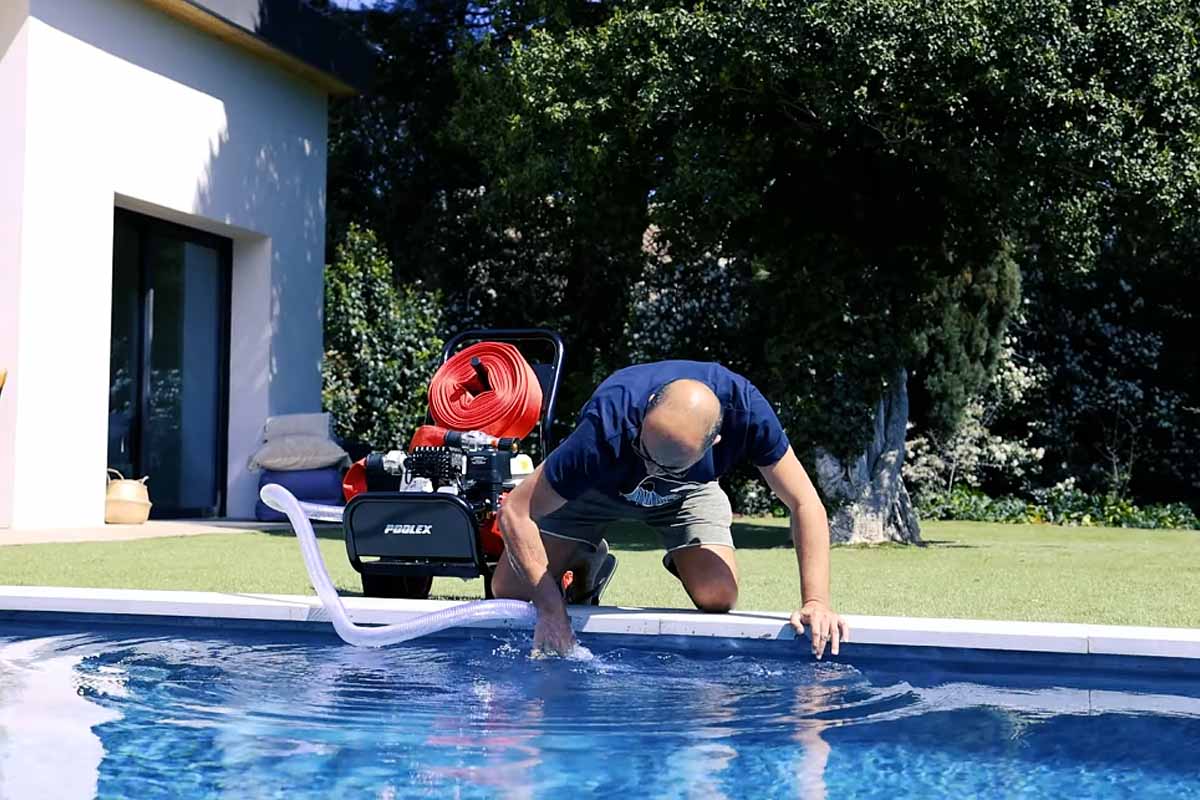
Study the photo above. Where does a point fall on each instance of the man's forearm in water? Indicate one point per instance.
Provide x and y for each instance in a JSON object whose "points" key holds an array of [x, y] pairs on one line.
{"points": [[527, 556]]}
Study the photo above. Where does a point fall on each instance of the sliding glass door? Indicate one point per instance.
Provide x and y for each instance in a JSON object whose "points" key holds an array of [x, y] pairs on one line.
{"points": [[169, 363]]}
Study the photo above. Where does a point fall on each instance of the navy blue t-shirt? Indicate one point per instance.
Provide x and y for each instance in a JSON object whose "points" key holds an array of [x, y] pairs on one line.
{"points": [[599, 453]]}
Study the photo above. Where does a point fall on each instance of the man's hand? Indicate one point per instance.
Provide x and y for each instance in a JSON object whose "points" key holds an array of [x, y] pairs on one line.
{"points": [[552, 636], [824, 625]]}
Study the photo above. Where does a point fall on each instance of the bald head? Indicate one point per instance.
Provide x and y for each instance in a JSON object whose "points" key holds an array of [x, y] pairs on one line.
{"points": [[683, 419]]}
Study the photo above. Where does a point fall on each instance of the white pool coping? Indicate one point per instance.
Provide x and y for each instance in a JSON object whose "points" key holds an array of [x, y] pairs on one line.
{"points": [[1037, 637]]}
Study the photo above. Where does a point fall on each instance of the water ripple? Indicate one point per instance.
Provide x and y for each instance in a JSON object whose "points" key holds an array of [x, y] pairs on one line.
{"points": [[250, 717]]}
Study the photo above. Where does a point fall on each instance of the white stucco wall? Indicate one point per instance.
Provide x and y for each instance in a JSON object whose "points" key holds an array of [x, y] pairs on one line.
{"points": [[126, 106], [13, 50]]}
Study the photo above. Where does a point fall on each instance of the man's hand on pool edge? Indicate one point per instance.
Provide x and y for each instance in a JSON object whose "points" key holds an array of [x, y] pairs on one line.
{"points": [[825, 627]]}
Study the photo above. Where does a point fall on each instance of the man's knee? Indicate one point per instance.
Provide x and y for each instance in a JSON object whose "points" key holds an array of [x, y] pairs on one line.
{"points": [[507, 584], [709, 574], [715, 597]]}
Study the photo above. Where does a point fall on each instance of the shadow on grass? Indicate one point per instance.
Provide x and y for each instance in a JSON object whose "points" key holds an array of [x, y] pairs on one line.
{"points": [[622, 535], [322, 531], [746, 536], [636, 537]]}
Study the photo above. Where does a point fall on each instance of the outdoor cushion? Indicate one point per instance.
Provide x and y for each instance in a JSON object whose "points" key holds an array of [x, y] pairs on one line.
{"points": [[298, 452], [306, 483], [296, 425]]}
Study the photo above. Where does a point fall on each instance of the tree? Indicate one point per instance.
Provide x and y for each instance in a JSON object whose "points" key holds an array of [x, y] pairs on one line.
{"points": [[391, 166], [870, 174], [1119, 410], [977, 450], [395, 167]]}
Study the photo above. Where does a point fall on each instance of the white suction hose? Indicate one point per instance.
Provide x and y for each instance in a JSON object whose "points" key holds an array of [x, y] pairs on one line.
{"points": [[298, 513]]}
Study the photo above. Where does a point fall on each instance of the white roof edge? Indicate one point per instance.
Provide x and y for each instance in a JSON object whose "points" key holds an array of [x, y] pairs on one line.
{"points": [[1042, 637]]}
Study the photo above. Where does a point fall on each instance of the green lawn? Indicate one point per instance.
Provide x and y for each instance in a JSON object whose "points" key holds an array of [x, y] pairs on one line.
{"points": [[974, 570]]}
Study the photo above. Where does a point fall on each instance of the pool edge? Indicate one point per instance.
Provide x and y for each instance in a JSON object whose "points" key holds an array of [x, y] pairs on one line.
{"points": [[1036, 637]]}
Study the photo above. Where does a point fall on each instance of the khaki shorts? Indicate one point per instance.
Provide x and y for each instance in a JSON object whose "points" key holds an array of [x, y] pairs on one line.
{"points": [[700, 515]]}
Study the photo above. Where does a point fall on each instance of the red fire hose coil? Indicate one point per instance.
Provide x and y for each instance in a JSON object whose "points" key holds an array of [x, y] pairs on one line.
{"points": [[510, 407]]}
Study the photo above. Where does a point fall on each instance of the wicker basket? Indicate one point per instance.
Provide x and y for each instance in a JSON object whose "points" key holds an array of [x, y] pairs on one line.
{"points": [[127, 502]]}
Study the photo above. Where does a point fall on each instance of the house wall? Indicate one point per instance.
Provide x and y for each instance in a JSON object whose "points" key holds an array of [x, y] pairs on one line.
{"points": [[13, 58], [129, 107]]}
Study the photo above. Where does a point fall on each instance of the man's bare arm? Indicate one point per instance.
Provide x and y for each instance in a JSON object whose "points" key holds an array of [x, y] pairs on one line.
{"points": [[810, 537]]}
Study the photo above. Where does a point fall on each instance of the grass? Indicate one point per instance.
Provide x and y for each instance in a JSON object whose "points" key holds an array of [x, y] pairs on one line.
{"points": [[967, 570]]}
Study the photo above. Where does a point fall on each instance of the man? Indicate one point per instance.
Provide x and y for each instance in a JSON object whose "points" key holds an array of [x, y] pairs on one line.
{"points": [[650, 445]]}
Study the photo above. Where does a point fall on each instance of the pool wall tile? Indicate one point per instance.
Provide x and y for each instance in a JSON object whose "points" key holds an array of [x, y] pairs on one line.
{"points": [[867, 632], [1041, 637], [734, 626], [1133, 641], [1104, 702], [625, 621]]}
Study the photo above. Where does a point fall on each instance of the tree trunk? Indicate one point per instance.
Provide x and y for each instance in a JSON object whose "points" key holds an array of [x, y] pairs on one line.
{"points": [[868, 499]]}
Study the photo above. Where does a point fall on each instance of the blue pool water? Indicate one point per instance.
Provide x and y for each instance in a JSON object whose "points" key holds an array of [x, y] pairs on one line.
{"points": [[194, 713]]}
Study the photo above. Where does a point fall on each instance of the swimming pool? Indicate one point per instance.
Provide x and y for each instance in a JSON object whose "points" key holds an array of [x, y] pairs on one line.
{"points": [[92, 708]]}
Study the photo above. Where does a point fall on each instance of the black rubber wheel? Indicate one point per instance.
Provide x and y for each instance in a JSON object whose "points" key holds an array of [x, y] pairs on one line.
{"points": [[411, 587]]}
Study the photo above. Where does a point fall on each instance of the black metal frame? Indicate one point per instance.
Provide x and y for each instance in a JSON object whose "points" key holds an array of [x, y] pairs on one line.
{"points": [[146, 226]]}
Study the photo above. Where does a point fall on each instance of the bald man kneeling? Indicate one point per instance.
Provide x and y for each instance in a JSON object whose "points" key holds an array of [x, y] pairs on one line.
{"points": [[650, 445]]}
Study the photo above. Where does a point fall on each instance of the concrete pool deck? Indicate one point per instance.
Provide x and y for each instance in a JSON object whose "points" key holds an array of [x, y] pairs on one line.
{"points": [[26, 602], [151, 529]]}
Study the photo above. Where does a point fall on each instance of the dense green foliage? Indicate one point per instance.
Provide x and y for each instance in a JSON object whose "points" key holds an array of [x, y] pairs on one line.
{"points": [[391, 166], [867, 177], [1119, 409], [1059, 505], [817, 194], [381, 346]]}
